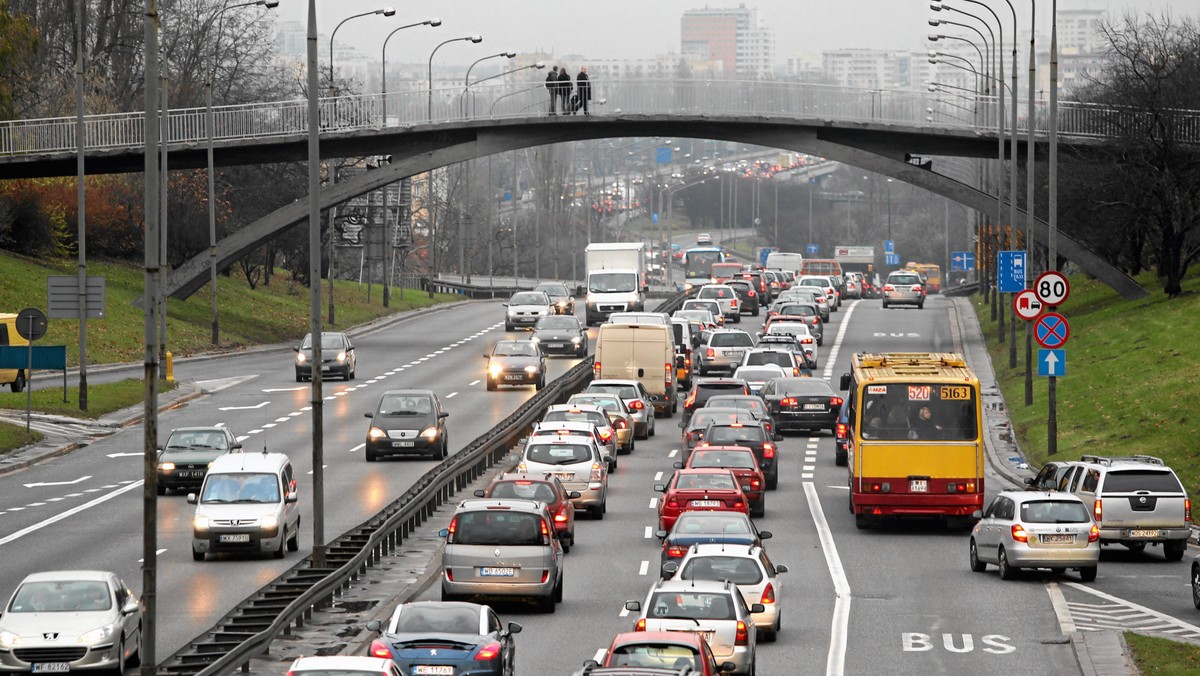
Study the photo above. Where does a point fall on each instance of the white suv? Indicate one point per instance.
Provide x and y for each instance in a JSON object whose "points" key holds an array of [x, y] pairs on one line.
{"points": [[725, 296]]}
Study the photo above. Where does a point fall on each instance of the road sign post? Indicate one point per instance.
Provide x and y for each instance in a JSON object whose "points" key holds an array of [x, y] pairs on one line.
{"points": [[31, 325]]}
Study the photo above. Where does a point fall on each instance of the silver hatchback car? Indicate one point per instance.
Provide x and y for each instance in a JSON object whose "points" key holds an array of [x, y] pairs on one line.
{"points": [[714, 610], [1035, 529], [903, 288], [502, 547]]}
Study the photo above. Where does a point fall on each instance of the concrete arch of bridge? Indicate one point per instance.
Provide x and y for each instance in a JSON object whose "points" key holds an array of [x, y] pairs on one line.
{"points": [[872, 148]]}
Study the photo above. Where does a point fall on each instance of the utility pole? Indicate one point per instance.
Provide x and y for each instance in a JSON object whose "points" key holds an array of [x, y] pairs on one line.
{"points": [[1052, 217], [81, 200], [314, 292], [1030, 123]]}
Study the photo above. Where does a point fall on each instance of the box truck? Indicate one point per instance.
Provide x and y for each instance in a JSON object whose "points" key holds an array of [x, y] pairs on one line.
{"points": [[616, 279]]}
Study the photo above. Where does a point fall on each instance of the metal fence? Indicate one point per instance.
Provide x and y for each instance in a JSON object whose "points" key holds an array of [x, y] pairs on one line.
{"points": [[765, 99]]}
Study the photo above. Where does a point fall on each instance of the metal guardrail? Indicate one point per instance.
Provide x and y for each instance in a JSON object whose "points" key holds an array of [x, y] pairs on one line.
{"points": [[518, 100], [248, 630]]}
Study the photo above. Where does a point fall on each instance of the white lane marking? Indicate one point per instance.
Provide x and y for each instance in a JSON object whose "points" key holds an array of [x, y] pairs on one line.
{"points": [[806, 475], [840, 488], [106, 486], [674, 452], [644, 568], [306, 408], [599, 656], [653, 503], [241, 438], [283, 419], [814, 439], [293, 414], [1173, 621], [831, 358], [267, 426], [243, 408], [809, 468], [329, 398], [452, 394], [624, 612], [59, 483], [73, 495], [358, 447], [67, 514], [835, 663], [658, 476], [340, 394], [54, 499], [93, 490], [124, 455], [156, 554], [253, 431], [16, 509], [649, 533], [473, 383], [284, 389], [42, 504]]}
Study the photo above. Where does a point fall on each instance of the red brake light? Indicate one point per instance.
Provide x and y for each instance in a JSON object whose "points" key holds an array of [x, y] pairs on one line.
{"points": [[489, 652], [743, 635], [1098, 509], [620, 424], [676, 552], [888, 288], [1187, 509], [637, 405], [768, 450], [561, 516], [1019, 534], [380, 649], [545, 533], [453, 527], [768, 595], [835, 401], [788, 401], [673, 503], [641, 625], [596, 370], [1094, 533], [710, 352], [751, 293], [842, 430], [605, 435]]}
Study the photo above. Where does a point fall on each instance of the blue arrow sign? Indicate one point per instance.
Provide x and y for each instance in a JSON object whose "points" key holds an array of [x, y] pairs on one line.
{"points": [[889, 246], [811, 248], [962, 261], [1010, 271], [1052, 362]]}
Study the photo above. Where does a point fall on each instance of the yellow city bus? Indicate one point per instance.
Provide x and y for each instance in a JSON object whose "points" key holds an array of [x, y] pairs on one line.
{"points": [[932, 274], [914, 437]]}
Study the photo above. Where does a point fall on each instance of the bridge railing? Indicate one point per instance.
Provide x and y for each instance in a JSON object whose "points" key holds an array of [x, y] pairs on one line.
{"points": [[777, 100]]}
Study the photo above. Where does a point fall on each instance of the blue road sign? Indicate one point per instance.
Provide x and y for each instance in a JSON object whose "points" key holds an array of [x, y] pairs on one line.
{"points": [[891, 259], [763, 252], [811, 248], [889, 246], [1051, 330], [962, 261], [662, 156], [1052, 362], [1010, 272]]}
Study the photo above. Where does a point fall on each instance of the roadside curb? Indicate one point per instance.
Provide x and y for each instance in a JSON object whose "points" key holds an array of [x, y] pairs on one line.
{"points": [[1104, 653]]}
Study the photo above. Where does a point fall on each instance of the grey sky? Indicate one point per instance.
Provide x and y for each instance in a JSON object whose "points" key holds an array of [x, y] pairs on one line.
{"points": [[642, 28]]}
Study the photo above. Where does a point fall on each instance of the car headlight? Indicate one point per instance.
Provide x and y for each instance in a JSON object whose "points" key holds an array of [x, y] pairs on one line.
{"points": [[268, 522], [535, 340], [167, 466], [376, 433], [97, 635], [495, 370], [429, 433], [8, 639], [341, 356], [577, 340], [531, 369], [200, 522], [300, 358]]}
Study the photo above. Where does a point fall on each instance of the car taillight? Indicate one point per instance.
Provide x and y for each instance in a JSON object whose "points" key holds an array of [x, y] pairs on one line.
{"points": [[888, 288], [641, 625], [380, 649], [489, 652], [743, 634], [545, 575], [751, 294], [561, 516], [596, 370], [1187, 509], [596, 471], [676, 552], [620, 424], [835, 401], [668, 372], [545, 533], [1094, 533], [637, 405], [768, 450], [806, 341], [691, 399], [917, 289], [788, 401], [453, 527], [768, 595], [1019, 534], [796, 371], [1098, 510], [734, 303], [673, 503], [710, 353], [842, 430], [605, 435]]}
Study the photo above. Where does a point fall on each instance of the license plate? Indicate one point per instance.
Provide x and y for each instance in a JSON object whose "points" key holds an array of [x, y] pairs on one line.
{"points": [[433, 669], [403, 444], [192, 473], [918, 486], [497, 572], [51, 667], [814, 407], [1056, 539], [514, 377], [554, 345], [734, 354], [567, 476], [1143, 533], [234, 537], [706, 503]]}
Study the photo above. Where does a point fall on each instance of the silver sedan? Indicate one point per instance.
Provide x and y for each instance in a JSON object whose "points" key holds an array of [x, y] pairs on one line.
{"points": [[1028, 529]]}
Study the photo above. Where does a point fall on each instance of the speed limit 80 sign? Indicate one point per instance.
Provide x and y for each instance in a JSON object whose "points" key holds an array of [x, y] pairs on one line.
{"points": [[1052, 288]]}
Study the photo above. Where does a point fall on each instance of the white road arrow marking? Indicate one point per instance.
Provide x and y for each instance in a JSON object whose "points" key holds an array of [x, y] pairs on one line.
{"points": [[243, 408], [59, 483], [286, 389], [126, 455], [219, 384]]}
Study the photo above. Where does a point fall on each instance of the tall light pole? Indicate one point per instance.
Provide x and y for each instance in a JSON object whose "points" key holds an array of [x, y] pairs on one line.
{"points": [[474, 39], [433, 23], [314, 290], [81, 200], [467, 79], [386, 11], [212, 185], [1052, 216], [1029, 176]]}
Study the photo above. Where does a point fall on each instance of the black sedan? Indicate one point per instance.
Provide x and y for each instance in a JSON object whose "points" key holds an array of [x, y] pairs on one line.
{"points": [[561, 300], [561, 334], [802, 404], [691, 528], [183, 460], [516, 362], [407, 422], [337, 356], [441, 637]]}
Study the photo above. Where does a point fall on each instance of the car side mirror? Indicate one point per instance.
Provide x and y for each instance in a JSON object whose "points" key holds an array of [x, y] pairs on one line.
{"points": [[444, 533], [1031, 481], [368, 415], [758, 608], [590, 664], [579, 290], [633, 606], [191, 498], [236, 446], [374, 625], [574, 495], [728, 667], [131, 606], [781, 568], [677, 465], [845, 382], [479, 493], [514, 628], [443, 414], [660, 488], [504, 305], [670, 568], [977, 514], [660, 534], [296, 348], [486, 355], [764, 535], [291, 498]]}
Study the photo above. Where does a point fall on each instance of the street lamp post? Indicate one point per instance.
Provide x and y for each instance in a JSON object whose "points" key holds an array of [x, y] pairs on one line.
{"points": [[386, 11], [474, 39], [433, 23], [467, 79]]}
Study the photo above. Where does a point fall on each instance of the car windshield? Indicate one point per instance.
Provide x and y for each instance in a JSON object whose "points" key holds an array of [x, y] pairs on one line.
{"points": [[710, 523], [736, 459], [736, 569], [183, 441], [559, 322], [253, 487], [704, 481], [497, 527], [797, 310], [622, 391], [552, 289], [612, 282], [524, 490], [731, 339], [733, 436], [784, 359], [61, 596], [1130, 480], [710, 306], [1054, 511], [753, 404], [515, 349], [919, 411], [655, 655], [702, 417], [714, 292], [688, 604], [804, 387], [329, 341], [814, 281], [558, 454], [530, 298], [693, 315], [398, 404], [607, 403], [438, 619]]}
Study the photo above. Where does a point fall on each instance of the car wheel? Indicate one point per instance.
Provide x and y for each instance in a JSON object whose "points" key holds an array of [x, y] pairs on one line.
{"points": [[737, 319], [445, 446], [18, 384], [772, 482], [1196, 585], [508, 327], [558, 591], [135, 660], [1007, 572], [1089, 575], [1173, 550], [120, 668], [353, 372], [279, 553], [197, 556], [1058, 571], [885, 305], [160, 489], [491, 385], [541, 382], [976, 565], [839, 457], [650, 429], [546, 604], [754, 312], [371, 457], [632, 444], [299, 378], [760, 510], [293, 543], [447, 597], [566, 547]]}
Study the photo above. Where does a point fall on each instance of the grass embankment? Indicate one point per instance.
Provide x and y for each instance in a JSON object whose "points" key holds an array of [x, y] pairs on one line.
{"points": [[1131, 378], [102, 398], [15, 436], [1163, 657]]}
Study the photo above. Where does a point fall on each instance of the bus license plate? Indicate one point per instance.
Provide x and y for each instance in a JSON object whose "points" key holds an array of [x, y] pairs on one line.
{"points": [[1143, 533], [918, 486]]}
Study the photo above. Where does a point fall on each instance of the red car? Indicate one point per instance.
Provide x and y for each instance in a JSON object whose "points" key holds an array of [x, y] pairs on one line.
{"points": [[708, 490], [739, 460], [547, 489], [663, 650]]}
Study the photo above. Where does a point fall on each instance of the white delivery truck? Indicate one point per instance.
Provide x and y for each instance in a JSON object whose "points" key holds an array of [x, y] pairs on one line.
{"points": [[783, 260], [642, 352], [616, 279]]}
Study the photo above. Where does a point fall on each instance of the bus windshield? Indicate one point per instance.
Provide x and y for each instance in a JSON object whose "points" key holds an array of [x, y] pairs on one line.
{"points": [[699, 262], [918, 412]]}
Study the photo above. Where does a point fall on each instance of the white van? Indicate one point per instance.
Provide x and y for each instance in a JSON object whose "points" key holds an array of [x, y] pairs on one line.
{"points": [[642, 352], [246, 505], [783, 260]]}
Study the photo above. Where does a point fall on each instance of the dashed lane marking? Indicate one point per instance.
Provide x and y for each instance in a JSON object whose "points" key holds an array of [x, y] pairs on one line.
{"points": [[649, 532], [653, 503], [644, 568]]}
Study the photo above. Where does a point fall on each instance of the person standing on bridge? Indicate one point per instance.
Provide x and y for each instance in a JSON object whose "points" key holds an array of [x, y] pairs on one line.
{"points": [[552, 87], [564, 88], [583, 89]]}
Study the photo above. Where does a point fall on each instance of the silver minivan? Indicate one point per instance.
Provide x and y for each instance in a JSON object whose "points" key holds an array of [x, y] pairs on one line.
{"points": [[576, 462], [247, 504], [502, 547]]}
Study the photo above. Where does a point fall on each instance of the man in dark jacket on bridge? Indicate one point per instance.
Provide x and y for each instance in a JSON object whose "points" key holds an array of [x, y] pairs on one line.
{"points": [[583, 90], [552, 86], [564, 88]]}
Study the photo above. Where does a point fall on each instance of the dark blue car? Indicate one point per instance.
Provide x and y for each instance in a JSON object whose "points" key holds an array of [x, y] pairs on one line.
{"points": [[841, 435], [693, 528], [429, 636]]}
